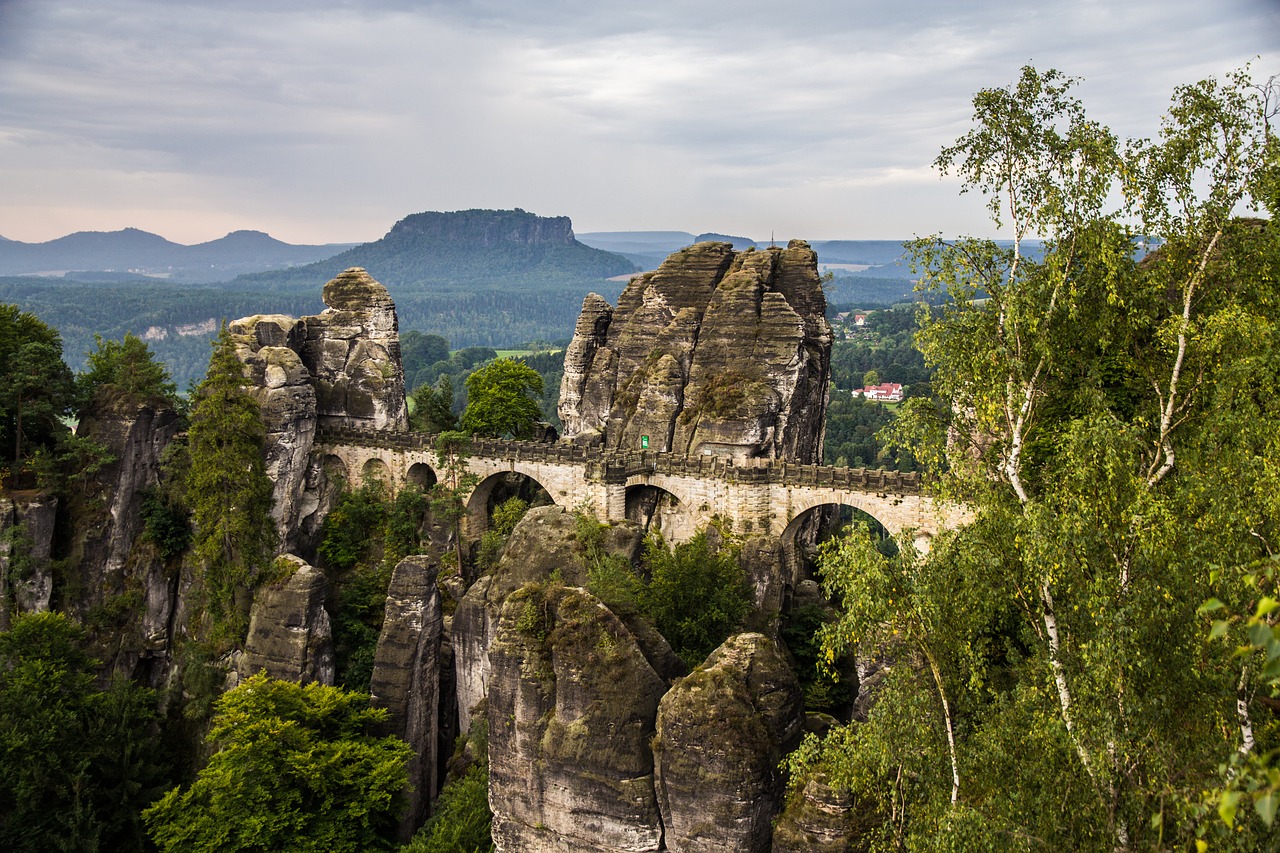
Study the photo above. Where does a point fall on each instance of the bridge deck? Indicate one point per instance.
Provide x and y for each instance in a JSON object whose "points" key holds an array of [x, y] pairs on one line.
{"points": [[619, 465]]}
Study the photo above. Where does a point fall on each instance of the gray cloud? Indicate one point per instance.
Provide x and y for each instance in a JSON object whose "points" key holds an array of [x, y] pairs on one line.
{"points": [[329, 120]]}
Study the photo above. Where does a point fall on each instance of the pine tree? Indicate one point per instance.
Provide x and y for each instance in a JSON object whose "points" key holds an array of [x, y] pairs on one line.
{"points": [[228, 488]]}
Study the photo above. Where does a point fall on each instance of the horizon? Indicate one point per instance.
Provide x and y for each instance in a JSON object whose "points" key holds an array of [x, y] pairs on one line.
{"points": [[324, 122]]}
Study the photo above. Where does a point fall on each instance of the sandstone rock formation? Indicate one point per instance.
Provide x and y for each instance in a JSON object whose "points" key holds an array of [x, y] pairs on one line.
{"points": [[289, 635], [545, 541], [717, 351], [407, 677], [340, 368], [571, 707], [108, 557], [720, 735], [26, 543], [822, 819]]}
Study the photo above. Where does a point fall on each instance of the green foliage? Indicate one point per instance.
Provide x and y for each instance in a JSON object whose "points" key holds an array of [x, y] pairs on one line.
{"points": [[1112, 424], [610, 577], [824, 688], [507, 515], [363, 538], [165, 524], [227, 488], [77, 763], [884, 345], [296, 768], [852, 427], [432, 407], [696, 595], [447, 498], [35, 385], [502, 400], [460, 821], [126, 368]]}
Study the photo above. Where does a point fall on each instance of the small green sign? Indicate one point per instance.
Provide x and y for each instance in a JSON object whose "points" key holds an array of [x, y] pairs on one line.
{"points": [[644, 442]]}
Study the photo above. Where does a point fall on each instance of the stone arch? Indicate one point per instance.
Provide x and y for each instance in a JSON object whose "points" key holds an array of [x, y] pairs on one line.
{"points": [[803, 507], [375, 468], [335, 468], [656, 508], [816, 522], [421, 474], [496, 487]]}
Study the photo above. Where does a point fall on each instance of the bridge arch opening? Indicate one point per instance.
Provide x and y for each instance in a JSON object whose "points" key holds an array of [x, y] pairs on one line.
{"points": [[810, 528], [376, 470], [656, 509], [421, 474], [497, 489], [334, 468]]}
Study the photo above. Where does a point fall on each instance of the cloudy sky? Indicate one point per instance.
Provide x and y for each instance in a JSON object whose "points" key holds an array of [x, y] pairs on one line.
{"points": [[325, 121]]}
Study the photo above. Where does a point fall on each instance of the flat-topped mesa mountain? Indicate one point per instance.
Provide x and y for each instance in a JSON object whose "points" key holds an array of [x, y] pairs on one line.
{"points": [[482, 249], [716, 352]]}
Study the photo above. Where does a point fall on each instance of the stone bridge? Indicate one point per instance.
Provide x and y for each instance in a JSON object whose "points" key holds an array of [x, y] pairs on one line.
{"points": [[758, 495]]}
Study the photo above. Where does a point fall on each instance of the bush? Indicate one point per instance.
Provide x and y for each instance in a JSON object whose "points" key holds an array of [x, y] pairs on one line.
{"points": [[697, 594], [297, 768]]}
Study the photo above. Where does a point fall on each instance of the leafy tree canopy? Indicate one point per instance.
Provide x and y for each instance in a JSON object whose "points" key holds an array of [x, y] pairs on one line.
{"points": [[77, 763], [128, 368], [502, 400], [227, 487], [35, 384], [296, 768], [1112, 423]]}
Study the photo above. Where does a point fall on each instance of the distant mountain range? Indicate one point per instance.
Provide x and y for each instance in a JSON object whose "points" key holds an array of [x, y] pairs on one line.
{"points": [[87, 255], [477, 277]]}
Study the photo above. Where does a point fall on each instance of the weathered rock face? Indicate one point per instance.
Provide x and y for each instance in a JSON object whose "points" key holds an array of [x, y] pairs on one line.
{"points": [[406, 676], [544, 541], [289, 634], [720, 735], [353, 352], [26, 543], [571, 707], [823, 820], [109, 558], [716, 351], [282, 386], [339, 368]]}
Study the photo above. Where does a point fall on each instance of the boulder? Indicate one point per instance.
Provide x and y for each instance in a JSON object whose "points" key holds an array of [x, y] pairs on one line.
{"points": [[822, 819], [544, 542], [406, 677], [721, 732], [289, 635], [571, 708]]}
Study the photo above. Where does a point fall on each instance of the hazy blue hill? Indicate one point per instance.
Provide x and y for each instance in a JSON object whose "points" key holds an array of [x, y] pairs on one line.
{"points": [[858, 251], [739, 243], [132, 249]]}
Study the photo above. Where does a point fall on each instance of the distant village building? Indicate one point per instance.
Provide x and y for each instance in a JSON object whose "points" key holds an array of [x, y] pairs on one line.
{"points": [[885, 392], [859, 319]]}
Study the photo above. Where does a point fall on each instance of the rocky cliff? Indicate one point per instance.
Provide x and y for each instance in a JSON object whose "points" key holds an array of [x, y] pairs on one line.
{"points": [[339, 368], [717, 351]]}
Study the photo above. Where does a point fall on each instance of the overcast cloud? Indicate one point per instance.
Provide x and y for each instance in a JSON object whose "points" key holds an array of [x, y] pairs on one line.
{"points": [[327, 122]]}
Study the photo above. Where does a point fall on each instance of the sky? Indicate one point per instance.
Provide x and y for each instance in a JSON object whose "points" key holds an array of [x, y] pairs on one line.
{"points": [[320, 121]]}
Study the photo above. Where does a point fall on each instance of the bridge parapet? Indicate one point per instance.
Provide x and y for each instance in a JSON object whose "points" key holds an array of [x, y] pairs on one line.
{"points": [[618, 467]]}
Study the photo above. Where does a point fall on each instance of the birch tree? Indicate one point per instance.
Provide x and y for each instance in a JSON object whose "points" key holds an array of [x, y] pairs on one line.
{"points": [[1107, 382]]}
